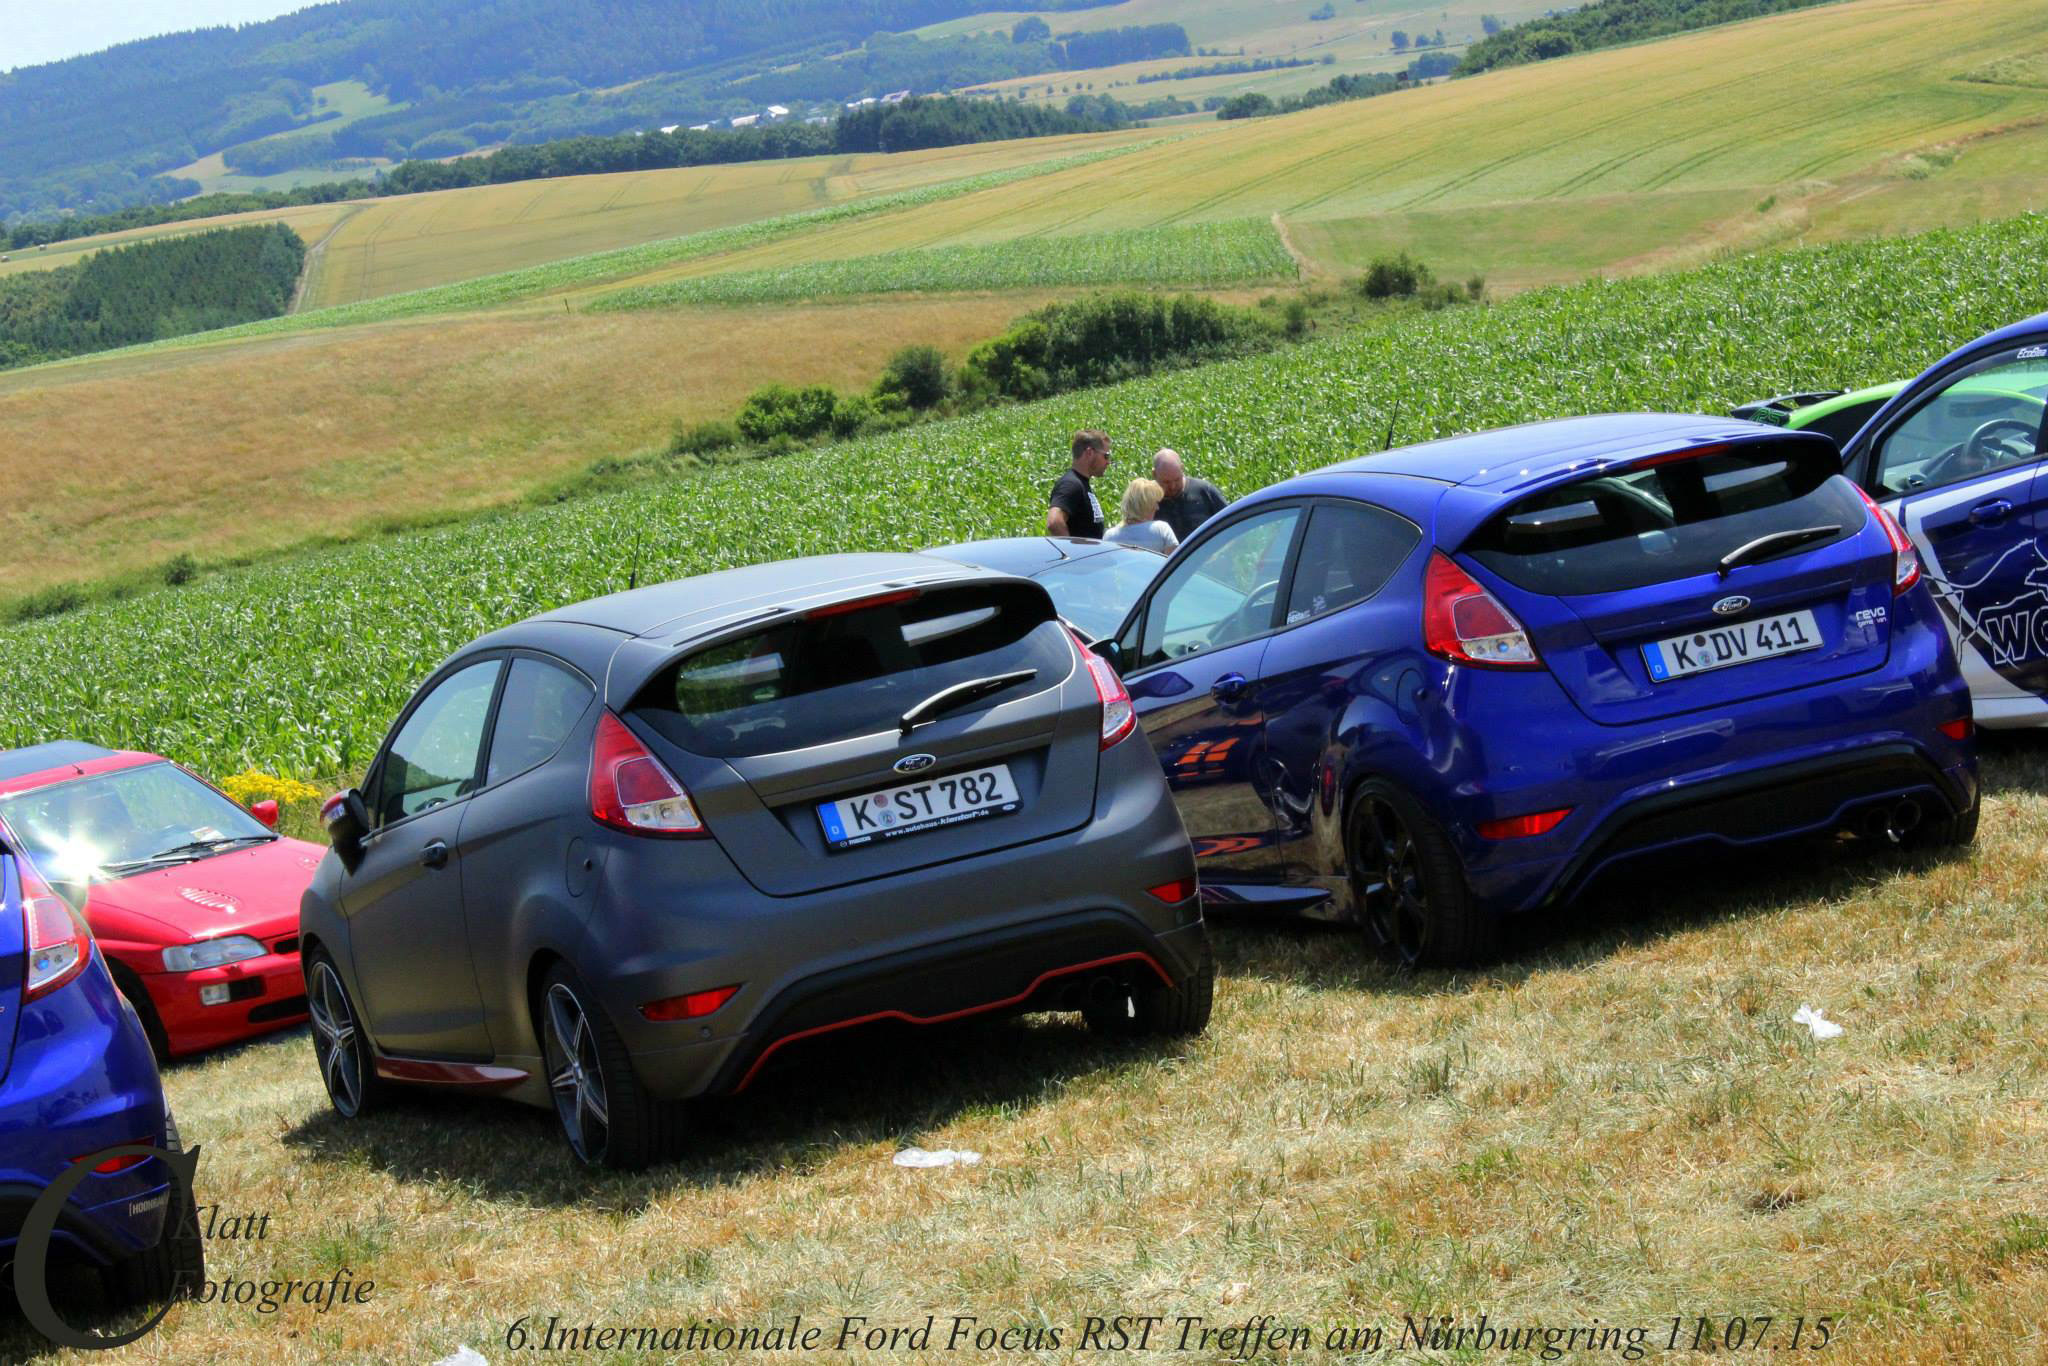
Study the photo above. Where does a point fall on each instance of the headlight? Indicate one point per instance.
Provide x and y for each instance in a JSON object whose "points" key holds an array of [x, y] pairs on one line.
{"points": [[211, 953]]}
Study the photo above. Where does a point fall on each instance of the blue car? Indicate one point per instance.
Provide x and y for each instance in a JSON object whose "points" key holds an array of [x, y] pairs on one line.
{"points": [[1432, 688], [76, 1078], [1956, 457]]}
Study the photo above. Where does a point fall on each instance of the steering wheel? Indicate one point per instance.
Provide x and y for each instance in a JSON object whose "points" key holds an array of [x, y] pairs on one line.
{"points": [[1239, 624], [1979, 453]]}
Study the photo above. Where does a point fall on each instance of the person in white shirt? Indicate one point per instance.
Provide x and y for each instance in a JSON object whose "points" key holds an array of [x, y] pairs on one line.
{"points": [[1139, 526]]}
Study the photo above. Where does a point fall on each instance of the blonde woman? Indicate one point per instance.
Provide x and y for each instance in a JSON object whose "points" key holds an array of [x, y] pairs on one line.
{"points": [[1140, 526]]}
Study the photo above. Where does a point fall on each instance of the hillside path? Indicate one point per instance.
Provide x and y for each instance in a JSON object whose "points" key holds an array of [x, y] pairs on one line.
{"points": [[1306, 267], [313, 254]]}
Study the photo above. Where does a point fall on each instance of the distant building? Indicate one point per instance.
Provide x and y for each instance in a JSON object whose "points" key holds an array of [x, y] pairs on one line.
{"points": [[776, 111], [700, 127], [746, 120], [860, 104], [818, 118], [670, 127], [899, 97]]}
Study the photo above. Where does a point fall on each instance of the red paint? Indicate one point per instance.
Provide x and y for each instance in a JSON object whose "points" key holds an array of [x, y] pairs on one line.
{"points": [[482, 1076]]}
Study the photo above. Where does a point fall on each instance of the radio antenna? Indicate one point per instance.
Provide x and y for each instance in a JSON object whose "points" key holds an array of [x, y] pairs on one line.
{"points": [[1392, 422], [633, 578]]}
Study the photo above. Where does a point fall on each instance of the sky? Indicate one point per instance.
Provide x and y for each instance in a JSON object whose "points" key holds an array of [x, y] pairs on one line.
{"points": [[38, 31]]}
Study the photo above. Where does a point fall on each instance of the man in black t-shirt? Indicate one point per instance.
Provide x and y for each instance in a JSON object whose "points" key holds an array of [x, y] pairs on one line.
{"points": [[1189, 502], [1073, 508]]}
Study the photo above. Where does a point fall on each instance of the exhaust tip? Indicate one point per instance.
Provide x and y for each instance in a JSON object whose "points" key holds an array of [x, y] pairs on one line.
{"points": [[1900, 820]]}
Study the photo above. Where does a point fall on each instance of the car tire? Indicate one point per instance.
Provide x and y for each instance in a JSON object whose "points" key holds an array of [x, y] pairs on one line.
{"points": [[341, 1046], [607, 1117], [1408, 884], [173, 1269], [1156, 1010], [1958, 831], [145, 1010]]}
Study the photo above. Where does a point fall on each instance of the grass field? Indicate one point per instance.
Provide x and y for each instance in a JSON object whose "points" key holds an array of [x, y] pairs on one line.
{"points": [[1620, 1124], [347, 100]]}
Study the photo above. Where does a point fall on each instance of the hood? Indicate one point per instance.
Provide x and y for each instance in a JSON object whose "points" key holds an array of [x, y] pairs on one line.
{"points": [[253, 891]]}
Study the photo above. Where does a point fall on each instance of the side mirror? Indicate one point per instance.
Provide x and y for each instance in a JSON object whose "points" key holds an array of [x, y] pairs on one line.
{"points": [[1110, 651], [265, 811], [347, 821]]}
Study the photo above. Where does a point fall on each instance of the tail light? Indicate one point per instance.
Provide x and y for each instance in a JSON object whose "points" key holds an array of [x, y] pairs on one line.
{"points": [[1523, 827], [1119, 717], [1962, 728], [694, 1006], [631, 791], [1905, 559], [59, 945], [122, 1163], [1465, 624]]}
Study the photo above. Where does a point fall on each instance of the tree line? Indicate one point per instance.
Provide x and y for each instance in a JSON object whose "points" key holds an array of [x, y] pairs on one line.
{"points": [[1608, 23], [149, 291]]}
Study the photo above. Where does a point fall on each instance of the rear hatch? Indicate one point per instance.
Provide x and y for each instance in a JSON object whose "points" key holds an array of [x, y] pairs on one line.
{"points": [[1696, 579], [767, 726], [13, 956]]}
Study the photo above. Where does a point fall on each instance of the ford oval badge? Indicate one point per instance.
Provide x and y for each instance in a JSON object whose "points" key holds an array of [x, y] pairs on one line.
{"points": [[915, 763], [1729, 606]]}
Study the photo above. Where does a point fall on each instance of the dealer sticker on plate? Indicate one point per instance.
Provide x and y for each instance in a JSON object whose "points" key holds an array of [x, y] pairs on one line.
{"points": [[924, 805], [1743, 642]]}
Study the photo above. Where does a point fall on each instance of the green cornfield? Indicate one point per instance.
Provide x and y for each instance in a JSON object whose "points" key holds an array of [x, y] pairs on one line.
{"points": [[298, 667]]}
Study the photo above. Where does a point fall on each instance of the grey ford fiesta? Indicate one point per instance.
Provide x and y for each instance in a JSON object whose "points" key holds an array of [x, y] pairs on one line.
{"points": [[625, 852]]}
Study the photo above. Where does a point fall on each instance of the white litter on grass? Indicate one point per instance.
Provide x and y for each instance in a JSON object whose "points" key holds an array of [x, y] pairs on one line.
{"points": [[1821, 1025], [464, 1356], [944, 1157]]}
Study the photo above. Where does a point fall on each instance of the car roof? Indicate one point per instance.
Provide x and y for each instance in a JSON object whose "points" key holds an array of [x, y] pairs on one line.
{"points": [[1512, 458], [34, 766], [1030, 556], [1803, 418], [2024, 330]]}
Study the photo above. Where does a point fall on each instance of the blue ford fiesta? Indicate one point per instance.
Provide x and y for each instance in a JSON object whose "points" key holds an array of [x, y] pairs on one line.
{"points": [[1428, 688], [77, 1078]]}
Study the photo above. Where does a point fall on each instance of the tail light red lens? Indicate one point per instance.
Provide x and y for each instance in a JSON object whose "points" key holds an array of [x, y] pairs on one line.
{"points": [[1905, 559], [59, 945], [631, 791], [1962, 728], [694, 1006], [119, 1164], [1523, 827], [1174, 892], [1465, 624], [1119, 717]]}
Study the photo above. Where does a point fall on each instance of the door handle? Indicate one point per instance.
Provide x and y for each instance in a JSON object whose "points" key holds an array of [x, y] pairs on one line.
{"points": [[1991, 513], [1228, 688], [435, 855]]}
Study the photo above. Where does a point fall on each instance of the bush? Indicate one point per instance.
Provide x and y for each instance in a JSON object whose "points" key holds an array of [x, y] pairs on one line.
{"points": [[705, 438], [780, 411], [1249, 106], [1392, 277], [53, 601], [180, 569], [1104, 338], [852, 416], [916, 376], [1294, 317]]}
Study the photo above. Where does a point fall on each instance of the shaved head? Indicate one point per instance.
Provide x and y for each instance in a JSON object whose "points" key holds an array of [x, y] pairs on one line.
{"points": [[1167, 472]]}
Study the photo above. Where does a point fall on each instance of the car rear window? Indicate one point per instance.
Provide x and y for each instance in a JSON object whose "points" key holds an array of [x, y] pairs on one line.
{"points": [[836, 673], [1667, 521]]}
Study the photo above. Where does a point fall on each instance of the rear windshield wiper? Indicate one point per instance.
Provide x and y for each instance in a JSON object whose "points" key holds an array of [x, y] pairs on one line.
{"points": [[1777, 543], [959, 695]]}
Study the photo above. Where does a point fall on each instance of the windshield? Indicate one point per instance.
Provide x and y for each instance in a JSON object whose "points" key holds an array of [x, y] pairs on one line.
{"points": [[1096, 593], [113, 824]]}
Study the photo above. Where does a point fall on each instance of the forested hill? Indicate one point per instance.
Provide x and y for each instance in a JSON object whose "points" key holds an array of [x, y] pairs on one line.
{"points": [[98, 130], [1610, 23]]}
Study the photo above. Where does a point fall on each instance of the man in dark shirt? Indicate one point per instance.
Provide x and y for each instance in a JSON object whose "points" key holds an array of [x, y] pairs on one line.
{"points": [[1074, 509], [1189, 502]]}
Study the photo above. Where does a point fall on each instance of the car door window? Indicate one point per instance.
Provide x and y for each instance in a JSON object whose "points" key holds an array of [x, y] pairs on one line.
{"points": [[1224, 591], [1347, 554], [1985, 420], [433, 758], [542, 704]]}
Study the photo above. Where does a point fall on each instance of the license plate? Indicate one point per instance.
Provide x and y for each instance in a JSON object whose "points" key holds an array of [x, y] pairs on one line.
{"points": [[923, 805], [1718, 647]]}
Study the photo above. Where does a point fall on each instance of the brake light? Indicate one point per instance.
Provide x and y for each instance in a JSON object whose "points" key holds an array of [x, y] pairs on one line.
{"points": [[1523, 827], [840, 609], [695, 1006], [1465, 624], [121, 1163], [631, 791], [1174, 892], [1119, 717], [1959, 729], [1674, 457], [1905, 559], [59, 945]]}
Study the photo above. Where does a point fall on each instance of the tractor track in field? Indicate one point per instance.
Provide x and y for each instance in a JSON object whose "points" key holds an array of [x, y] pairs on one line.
{"points": [[313, 255]]}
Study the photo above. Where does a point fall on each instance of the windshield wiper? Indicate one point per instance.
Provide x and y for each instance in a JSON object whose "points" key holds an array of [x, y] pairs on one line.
{"points": [[184, 853], [959, 695], [1777, 543]]}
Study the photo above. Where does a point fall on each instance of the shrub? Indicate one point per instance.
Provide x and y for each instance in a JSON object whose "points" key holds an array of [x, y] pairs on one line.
{"points": [[1294, 317], [1104, 338], [705, 438], [1392, 277], [1249, 106], [777, 410], [53, 601], [916, 376], [180, 568], [852, 416]]}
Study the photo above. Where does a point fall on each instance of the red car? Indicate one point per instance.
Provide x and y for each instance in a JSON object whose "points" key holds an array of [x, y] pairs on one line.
{"points": [[194, 901]]}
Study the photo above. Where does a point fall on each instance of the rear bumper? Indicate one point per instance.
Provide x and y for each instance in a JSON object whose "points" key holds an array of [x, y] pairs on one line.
{"points": [[111, 1231]]}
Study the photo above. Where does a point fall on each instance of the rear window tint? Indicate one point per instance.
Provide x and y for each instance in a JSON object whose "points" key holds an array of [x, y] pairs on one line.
{"points": [[1669, 521], [816, 679]]}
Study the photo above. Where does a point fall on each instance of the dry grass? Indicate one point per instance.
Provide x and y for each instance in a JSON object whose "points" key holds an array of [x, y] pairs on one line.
{"points": [[324, 432], [310, 221], [1620, 1124]]}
